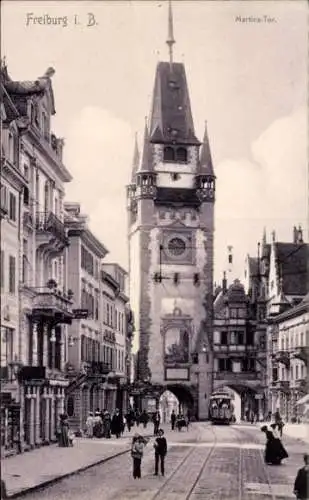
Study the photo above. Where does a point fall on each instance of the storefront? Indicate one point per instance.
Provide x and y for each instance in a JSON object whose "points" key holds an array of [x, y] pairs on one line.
{"points": [[10, 425]]}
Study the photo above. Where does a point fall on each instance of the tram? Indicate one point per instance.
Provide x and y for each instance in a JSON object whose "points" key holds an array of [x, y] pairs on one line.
{"points": [[221, 408]]}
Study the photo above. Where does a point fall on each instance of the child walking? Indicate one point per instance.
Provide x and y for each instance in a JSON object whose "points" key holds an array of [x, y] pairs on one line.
{"points": [[137, 451], [160, 446]]}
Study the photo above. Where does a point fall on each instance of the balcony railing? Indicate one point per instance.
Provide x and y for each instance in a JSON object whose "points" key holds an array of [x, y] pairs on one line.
{"points": [[282, 385], [237, 376], [282, 357], [48, 222], [52, 302]]}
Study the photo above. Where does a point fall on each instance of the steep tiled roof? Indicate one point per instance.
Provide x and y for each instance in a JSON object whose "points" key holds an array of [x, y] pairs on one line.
{"points": [[146, 163], [253, 266], [236, 292], [205, 163], [136, 158], [171, 118], [266, 250], [292, 264]]}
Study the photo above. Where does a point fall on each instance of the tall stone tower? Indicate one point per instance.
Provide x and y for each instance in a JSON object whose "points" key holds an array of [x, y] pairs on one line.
{"points": [[171, 225]]}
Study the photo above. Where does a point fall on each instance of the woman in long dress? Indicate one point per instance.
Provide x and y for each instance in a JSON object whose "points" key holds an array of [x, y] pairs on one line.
{"points": [[63, 437], [274, 451], [275, 429], [90, 425]]}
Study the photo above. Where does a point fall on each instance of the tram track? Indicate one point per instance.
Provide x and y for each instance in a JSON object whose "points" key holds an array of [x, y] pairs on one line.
{"points": [[254, 439], [160, 493]]}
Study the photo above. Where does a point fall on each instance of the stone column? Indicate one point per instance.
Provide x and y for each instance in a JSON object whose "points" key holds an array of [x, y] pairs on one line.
{"points": [[47, 413], [45, 345], [52, 414], [39, 401], [34, 344], [32, 421]]}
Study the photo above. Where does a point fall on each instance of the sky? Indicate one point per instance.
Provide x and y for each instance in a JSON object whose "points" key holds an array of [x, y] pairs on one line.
{"points": [[249, 80]]}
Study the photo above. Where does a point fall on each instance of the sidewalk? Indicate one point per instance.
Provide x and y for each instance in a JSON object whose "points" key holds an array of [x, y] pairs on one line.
{"points": [[297, 431], [31, 470]]}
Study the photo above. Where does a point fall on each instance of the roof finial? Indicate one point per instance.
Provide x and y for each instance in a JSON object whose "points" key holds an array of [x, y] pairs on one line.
{"points": [[170, 36]]}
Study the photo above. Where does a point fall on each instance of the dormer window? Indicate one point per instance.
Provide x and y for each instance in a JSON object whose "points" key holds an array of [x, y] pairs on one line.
{"points": [[175, 154], [169, 154], [181, 155]]}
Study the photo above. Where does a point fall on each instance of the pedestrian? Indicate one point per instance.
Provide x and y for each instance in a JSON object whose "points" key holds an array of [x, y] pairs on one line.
{"points": [[274, 450], [90, 425], [301, 485], [173, 420], [97, 425], [156, 423], [63, 436], [107, 424], [137, 451], [129, 419], [144, 418], [116, 424], [160, 446]]}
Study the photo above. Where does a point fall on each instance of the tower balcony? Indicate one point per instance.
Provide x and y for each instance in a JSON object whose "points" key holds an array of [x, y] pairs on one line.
{"points": [[50, 234], [52, 305], [282, 357], [302, 353]]}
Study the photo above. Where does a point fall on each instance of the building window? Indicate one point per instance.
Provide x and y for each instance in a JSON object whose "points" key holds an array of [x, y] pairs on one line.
{"points": [[24, 276], [7, 346], [169, 154], [2, 275], [87, 261], [4, 199], [181, 155], [223, 338], [250, 337], [12, 207], [225, 365], [12, 274]]}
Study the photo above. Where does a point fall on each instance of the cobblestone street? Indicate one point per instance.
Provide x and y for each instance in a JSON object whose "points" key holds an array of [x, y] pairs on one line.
{"points": [[208, 462]]}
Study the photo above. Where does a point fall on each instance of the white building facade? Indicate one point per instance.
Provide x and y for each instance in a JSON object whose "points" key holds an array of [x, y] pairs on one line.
{"points": [[44, 302]]}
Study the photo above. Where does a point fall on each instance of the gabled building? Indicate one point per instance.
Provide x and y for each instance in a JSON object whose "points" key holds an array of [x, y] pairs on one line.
{"points": [[14, 184], [239, 349], [44, 302], [277, 287], [84, 360]]}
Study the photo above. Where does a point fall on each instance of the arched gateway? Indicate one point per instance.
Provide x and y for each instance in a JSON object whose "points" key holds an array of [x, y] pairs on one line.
{"points": [[171, 223]]}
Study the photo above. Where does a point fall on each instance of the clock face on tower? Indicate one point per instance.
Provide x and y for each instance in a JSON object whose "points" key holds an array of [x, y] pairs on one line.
{"points": [[177, 246]]}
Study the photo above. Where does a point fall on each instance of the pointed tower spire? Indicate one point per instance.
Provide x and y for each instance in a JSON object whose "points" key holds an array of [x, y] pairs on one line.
{"points": [[264, 239], [146, 163], [170, 35], [136, 159], [206, 166]]}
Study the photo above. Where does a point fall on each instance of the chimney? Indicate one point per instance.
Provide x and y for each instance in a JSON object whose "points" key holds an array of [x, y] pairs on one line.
{"points": [[224, 283], [295, 234]]}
